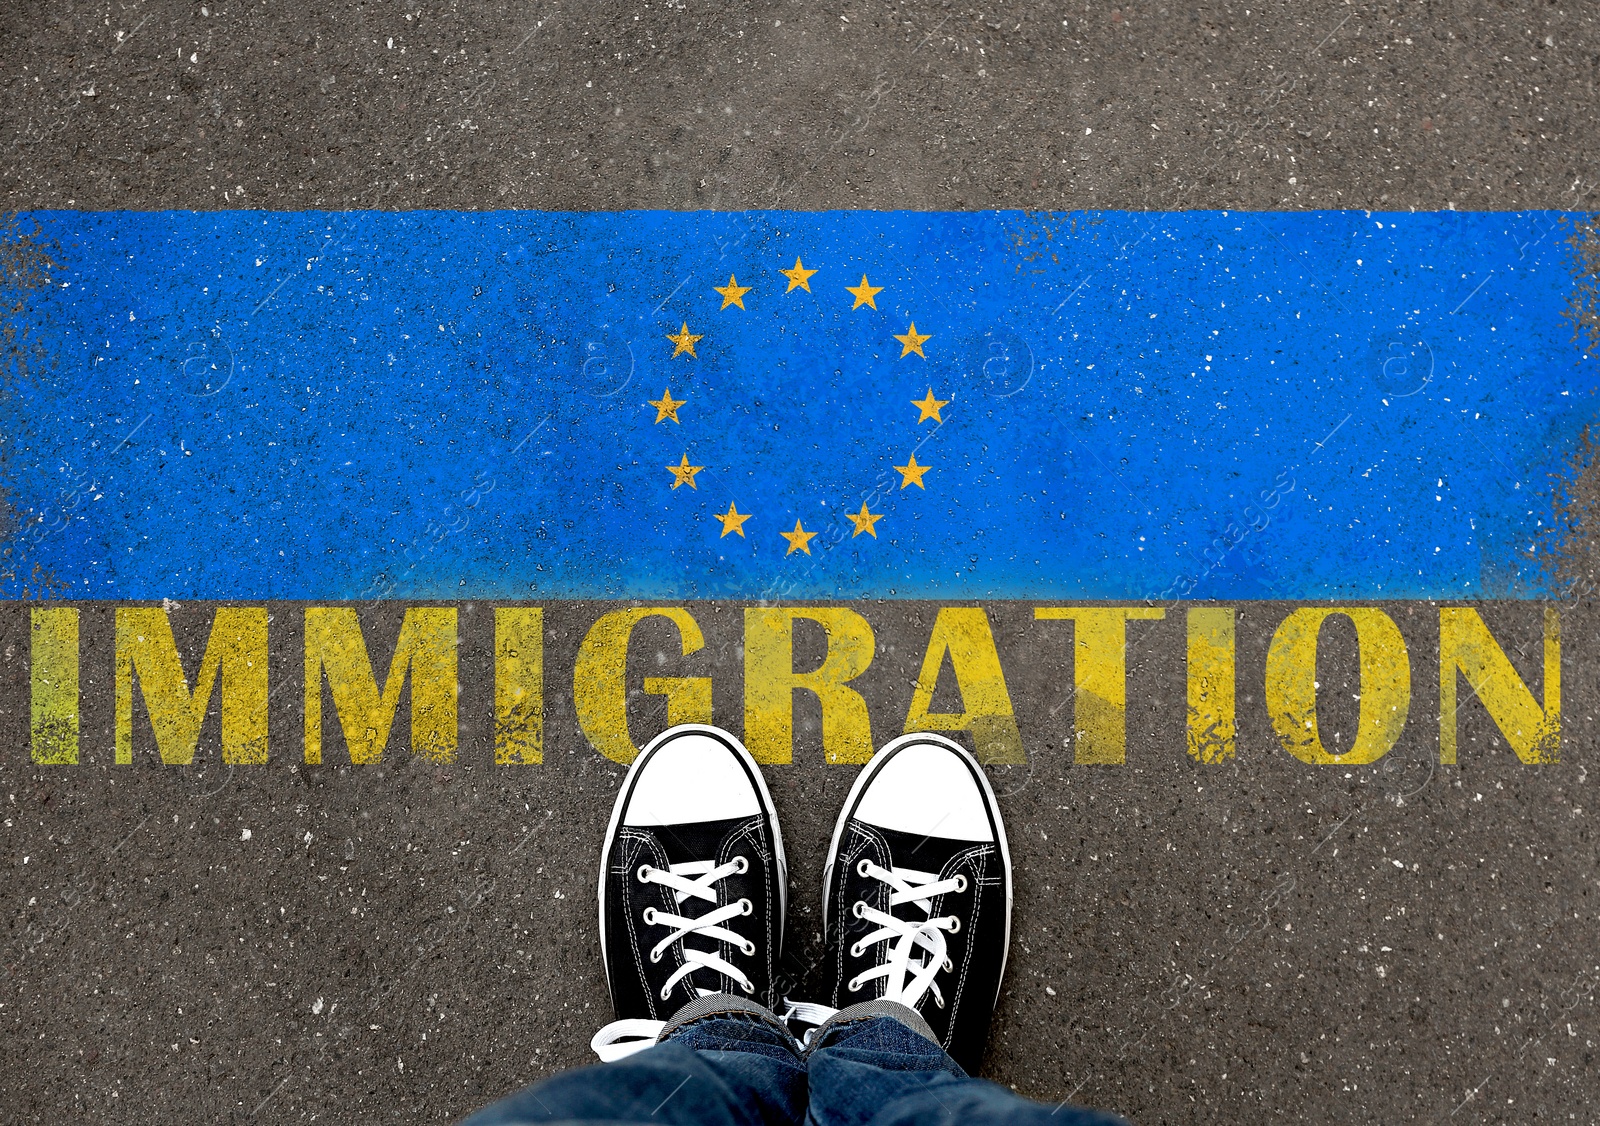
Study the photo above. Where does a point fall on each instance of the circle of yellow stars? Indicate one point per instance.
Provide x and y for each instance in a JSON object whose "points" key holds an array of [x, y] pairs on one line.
{"points": [[798, 277]]}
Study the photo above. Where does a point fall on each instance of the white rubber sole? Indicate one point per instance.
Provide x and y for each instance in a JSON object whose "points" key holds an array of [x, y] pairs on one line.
{"points": [[625, 791]]}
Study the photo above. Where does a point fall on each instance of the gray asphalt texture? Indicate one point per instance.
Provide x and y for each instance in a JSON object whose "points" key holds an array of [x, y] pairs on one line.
{"points": [[1261, 940]]}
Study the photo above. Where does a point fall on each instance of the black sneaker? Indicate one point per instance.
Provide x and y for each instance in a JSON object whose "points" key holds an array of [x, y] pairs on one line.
{"points": [[693, 884], [917, 892]]}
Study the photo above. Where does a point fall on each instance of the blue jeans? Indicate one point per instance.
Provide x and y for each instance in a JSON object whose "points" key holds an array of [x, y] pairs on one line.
{"points": [[744, 1069]]}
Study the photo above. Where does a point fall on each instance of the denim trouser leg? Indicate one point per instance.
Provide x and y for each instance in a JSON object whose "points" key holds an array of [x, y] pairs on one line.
{"points": [[877, 1070], [743, 1068], [722, 1071]]}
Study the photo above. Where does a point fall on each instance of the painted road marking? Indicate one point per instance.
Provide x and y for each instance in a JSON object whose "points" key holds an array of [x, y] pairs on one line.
{"points": [[960, 652], [1310, 405]]}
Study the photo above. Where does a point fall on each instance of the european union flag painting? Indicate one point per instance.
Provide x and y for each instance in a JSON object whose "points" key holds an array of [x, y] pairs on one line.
{"points": [[783, 405]]}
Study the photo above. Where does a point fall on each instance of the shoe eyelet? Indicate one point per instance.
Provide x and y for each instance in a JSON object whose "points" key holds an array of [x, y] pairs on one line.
{"points": [[746, 907], [860, 909], [853, 985], [666, 994], [861, 869], [741, 865], [961, 883], [948, 965], [748, 986], [749, 949], [643, 874], [649, 916], [939, 1001], [856, 951], [655, 956], [955, 924]]}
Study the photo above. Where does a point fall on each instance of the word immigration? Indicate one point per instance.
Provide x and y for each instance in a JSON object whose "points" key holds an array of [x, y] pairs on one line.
{"points": [[165, 683]]}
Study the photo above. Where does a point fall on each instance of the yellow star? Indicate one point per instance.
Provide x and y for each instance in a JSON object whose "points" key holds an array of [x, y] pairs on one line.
{"points": [[912, 340], [667, 406], [799, 539], [732, 520], [732, 293], [864, 521], [684, 339], [683, 474], [929, 407], [800, 278], [910, 473], [864, 293]]}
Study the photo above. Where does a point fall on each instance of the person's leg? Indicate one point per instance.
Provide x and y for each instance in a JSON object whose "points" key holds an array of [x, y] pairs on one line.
{"points": [[917, 892], [876, 1063], [917, 907], [692, 896], [722, 1061]]}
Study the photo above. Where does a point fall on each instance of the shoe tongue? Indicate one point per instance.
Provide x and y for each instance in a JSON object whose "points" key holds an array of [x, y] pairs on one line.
{"points": [[699, 840], [919, 852], [698, 843]]}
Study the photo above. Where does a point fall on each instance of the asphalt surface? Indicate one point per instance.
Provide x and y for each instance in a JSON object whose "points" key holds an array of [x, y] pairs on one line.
{"points": [[1255, 940]]}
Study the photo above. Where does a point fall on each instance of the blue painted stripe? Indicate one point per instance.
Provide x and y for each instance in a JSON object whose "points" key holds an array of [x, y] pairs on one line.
{"points": [[442, 404]]}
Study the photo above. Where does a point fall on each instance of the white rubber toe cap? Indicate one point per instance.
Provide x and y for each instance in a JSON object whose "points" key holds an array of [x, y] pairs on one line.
{"points": [[927, 789], [689, 778]]}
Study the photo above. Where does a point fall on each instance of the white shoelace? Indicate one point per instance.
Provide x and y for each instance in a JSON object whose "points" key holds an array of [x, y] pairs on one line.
{"points": [[622, 1038], [908, 978]]}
